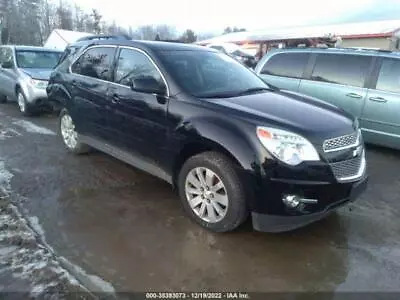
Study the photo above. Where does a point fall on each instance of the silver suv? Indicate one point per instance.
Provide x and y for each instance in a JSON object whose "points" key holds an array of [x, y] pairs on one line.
{"points": [[24, 74]]}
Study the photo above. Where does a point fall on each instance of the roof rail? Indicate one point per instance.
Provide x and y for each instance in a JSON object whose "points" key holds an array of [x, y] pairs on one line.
{"points": [[105, 37], [364, 49], [344, 48]]}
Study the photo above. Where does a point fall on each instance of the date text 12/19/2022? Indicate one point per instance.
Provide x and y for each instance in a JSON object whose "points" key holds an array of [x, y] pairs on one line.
{"points": [[197, 295]]}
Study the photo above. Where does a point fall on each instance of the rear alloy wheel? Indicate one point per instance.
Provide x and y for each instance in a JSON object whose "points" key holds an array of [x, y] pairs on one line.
{"points": [[69, 134], [23, 105], [212, 192]]}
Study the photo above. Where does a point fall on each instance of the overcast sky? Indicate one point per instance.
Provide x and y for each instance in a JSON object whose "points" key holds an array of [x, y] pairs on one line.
{"points": [[214, 15]]}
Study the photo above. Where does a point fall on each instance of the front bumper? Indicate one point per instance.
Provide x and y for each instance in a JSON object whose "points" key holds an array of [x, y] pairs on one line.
{"points": [[319, 187], [35, 96], [281, 223]]}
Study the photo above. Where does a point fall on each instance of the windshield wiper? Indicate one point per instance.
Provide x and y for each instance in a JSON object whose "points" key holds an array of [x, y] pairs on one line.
{"points": [[253, 90], [232, 94], [219, 95]]}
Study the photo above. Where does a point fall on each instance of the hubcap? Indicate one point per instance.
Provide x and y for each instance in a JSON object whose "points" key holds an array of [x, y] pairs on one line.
{"points": [[68, 132], [21, 102], [206, 195]]}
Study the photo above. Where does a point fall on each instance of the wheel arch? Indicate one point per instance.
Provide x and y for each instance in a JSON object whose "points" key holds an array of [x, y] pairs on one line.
{"points": [[225, 138]]}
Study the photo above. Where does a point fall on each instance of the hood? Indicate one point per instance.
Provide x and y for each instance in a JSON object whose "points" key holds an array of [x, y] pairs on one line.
{"points": [[312, 118], [41, 74]]}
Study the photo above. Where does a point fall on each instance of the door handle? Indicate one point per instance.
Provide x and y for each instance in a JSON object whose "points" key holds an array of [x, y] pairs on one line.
{"points": [[74, 83], [378, 99], [354, 95], [115, 99]]}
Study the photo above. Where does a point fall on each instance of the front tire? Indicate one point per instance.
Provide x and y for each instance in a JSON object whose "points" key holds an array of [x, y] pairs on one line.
{"points": [[69, 135], [24, 108], [212, 193]]}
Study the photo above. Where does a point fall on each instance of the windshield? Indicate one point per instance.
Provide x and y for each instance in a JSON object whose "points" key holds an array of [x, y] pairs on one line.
{"points": [[210, 74], [30, 59]]}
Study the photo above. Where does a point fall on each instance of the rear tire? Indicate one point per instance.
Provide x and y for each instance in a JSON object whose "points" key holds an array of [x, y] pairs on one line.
{"points": [[69, 135], [212, 193]]}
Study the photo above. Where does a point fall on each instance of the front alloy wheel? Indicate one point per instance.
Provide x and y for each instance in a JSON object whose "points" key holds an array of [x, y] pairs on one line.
{"points": [[212, 192], [22, 104], [206, 194]]}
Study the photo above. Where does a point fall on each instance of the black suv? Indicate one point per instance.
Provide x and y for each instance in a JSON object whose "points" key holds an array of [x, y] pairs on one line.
{"points": [[200, 120]]}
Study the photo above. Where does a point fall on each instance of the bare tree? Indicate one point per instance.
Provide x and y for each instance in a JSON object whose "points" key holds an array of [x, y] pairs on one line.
{"points": [[165, 32], [31, 22], [79, 22], [64, 14], [96, 21]]}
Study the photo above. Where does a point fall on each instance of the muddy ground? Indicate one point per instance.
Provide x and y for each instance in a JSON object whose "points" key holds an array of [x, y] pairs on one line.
{"points": [[126, 231]]}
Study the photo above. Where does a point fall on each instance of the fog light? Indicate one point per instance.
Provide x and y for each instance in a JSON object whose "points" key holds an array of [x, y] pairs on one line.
{"points": [[291, 201]]}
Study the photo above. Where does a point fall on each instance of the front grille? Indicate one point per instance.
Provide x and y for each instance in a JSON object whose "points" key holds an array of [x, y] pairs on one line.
{"points": [[347, 169], [342, 142]]}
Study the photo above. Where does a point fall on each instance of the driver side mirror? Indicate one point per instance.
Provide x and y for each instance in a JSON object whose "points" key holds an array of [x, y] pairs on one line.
{"points": [[148, 85], [7, 65]]}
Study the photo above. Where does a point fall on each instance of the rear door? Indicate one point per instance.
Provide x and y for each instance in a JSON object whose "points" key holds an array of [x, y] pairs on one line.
{"points": [[339, 79], [91, 74], [381, 116], [285, 70]]}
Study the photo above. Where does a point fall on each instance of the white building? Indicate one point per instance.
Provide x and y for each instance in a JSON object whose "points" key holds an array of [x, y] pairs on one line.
{"points": [[60, 38], [377, 34]]}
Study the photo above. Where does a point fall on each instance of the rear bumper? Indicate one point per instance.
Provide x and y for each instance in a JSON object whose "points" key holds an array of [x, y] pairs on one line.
{"points": [[281, 223]]}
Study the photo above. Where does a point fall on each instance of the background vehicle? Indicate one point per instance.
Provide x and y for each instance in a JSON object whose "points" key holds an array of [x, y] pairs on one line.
{"points": [[24, 73], [364, 82], [236, 52], [203, 122]]}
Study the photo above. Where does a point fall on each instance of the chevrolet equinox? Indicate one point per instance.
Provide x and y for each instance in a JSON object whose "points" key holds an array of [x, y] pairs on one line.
{"points": [[230, 144]]}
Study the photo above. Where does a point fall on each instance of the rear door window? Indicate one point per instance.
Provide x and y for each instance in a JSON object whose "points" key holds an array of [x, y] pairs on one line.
{"points": [[341, 69], [96, 63], [389, 76], [286, 65]]}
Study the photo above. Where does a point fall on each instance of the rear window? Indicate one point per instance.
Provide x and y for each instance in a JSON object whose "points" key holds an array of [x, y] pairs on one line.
{"points": [[286, 65], [341, 69]]}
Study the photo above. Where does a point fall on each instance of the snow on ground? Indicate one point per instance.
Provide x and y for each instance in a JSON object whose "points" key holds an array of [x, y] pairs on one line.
{"points": [[33, 128], [28, 265]]}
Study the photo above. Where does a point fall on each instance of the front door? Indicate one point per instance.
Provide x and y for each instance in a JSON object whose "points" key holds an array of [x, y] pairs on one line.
{"points": [[90, 79], [139, 118], [339, 79], [381, 116]]}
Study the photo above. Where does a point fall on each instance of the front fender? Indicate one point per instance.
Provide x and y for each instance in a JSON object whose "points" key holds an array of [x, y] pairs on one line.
{"points": [[58, 93], [235, 138]]}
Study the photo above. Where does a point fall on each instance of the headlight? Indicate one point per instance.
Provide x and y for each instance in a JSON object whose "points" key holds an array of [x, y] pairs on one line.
{"points": [[39, 84], [287, 146]]}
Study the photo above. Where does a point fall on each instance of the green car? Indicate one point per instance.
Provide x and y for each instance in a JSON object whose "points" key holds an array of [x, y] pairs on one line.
{"points": [[364, 82]]}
